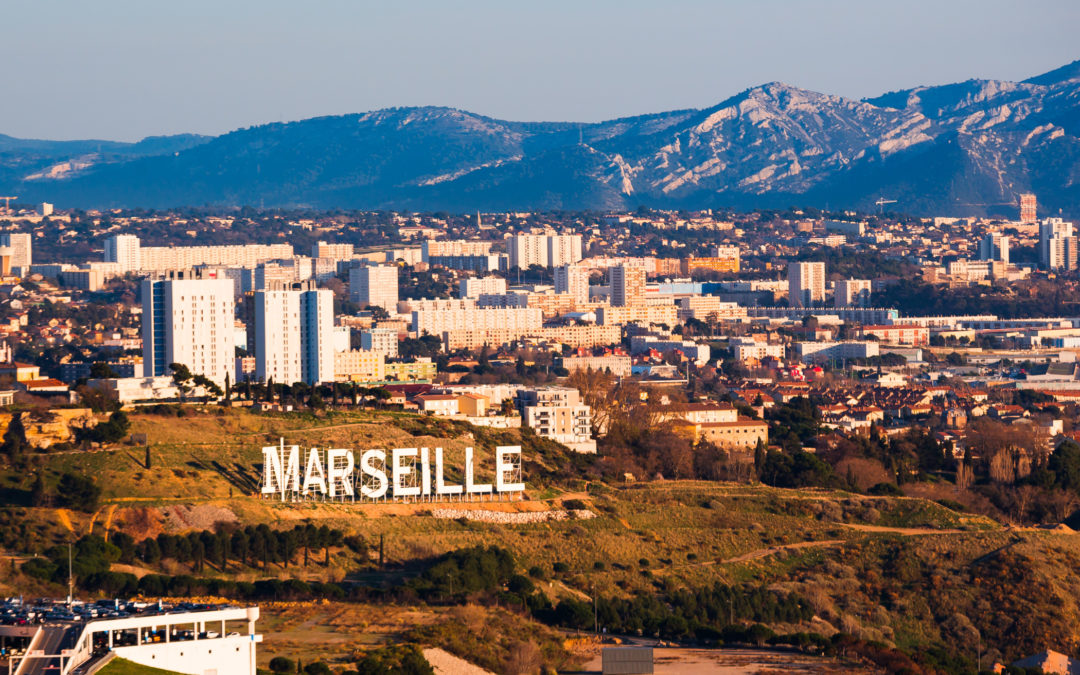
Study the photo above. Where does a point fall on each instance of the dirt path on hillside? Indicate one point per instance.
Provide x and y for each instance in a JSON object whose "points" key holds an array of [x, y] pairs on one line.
{"points": [[906, 531]]}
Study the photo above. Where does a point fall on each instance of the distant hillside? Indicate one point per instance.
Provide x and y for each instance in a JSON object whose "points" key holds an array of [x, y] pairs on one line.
{"points": [[965, 148]]}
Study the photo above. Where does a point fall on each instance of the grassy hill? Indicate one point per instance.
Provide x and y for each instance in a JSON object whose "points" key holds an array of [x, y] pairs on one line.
{"points": [[901, 571]]}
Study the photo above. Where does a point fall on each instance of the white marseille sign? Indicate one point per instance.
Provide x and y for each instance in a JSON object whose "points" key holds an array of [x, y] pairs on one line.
{"points": [[406, 473]]}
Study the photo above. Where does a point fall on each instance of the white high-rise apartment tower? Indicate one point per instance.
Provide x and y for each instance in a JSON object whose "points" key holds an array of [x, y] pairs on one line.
{"points": [[21, 248], [852, 293], [806, 283], [294, 336], [573, 280], [563, 249], [189, 321], [375, 285], [627, 285], [124, 249], [994, 246], [1057, 244], [526, 250]]}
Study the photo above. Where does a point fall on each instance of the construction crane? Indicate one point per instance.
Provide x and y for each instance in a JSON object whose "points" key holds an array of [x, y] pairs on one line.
{"points": [[7, 203], [881, 202]]}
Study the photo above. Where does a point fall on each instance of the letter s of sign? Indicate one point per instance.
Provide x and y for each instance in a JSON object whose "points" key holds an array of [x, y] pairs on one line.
{"points": [[369, 468]]}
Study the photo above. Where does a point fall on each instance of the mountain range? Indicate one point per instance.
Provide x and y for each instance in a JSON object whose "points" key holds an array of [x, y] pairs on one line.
{"points": [[959, 149]]}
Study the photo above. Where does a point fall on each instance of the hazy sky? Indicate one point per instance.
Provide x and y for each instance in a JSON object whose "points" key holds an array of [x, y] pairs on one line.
{"points": [[124, 69]]}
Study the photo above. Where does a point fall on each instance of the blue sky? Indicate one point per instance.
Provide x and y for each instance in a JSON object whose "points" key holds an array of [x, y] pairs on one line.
{"points": [[124, 69]]}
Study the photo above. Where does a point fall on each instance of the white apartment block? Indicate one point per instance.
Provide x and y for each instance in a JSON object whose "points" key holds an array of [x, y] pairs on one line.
{"points": [[434, 304], [375, 285], [169, 258], [189, 321], [294, 336], [545, 250], [852, 293], [563, 249], [322, 249], [528, 249], [573, 280], [627, 286], [806, 283], [994, 246], [409, 256], [704, 307], [648, 314], [455, 248], [519, 320], [558, 413], [855, 229], [1057, 244], [726, 252], [474, 287], [123, 249], [380, 340], [745, 349], [21, 245]]}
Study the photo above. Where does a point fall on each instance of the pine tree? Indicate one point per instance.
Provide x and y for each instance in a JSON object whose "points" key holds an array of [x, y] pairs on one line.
{"points": [[14, 443], [39, 494]]}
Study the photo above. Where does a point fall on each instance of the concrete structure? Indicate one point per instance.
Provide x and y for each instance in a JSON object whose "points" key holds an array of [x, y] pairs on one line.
{"points": [[474, 287], [994, 246], [321, 249], [457, 248], [573, 280], [124, 250], [21, 245], [83, 279], [526, 250], [199, 643], [188, 321], [708, 308], [563, 249], [853, 229], [627, 286], [421, 369], [806, 283], [1028, 209], [745, 349], [381, 340], [741, 434], [374, 285], [471, 263], [175, 258], [898, 335], [1057, 244], [687, 266], [359, 366], [558, 413], [442, 405], [521, 320], [616, 364], [294, 335], [821, 352], [648, 314], [137, 389], [852, 293], [545, 250]]}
